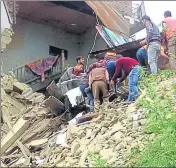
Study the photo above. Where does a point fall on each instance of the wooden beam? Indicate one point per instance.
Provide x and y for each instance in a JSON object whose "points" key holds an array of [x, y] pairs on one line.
{"points": [[18, 129]]}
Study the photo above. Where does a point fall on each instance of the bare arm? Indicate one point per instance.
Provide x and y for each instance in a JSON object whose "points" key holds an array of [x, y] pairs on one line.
{"points": [[123, 77], [107, 75]]}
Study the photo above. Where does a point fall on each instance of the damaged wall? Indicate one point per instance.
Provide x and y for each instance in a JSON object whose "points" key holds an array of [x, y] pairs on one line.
{"points": [[31, 42]]}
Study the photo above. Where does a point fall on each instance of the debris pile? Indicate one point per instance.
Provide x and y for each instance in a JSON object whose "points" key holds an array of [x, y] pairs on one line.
{"points": [[32, 136], [26, 122]]}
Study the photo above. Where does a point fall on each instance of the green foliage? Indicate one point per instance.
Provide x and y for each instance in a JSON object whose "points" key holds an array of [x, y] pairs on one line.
{"points": [[161, 120], [98, 161]]}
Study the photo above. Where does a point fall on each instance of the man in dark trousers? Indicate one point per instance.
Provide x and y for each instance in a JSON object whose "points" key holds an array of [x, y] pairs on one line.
{"points": [[132, 69], [153, 41]]}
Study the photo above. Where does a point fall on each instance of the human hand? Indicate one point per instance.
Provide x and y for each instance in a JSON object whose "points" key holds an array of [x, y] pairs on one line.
{"points": [[142, 43], [112, 83]]}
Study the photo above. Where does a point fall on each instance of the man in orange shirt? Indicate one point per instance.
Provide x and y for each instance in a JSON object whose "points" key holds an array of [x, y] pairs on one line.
{"points": [[169, 37]]}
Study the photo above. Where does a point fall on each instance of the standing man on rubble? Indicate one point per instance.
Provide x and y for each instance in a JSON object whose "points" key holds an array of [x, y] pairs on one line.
{"points": [[98, 81], [153, 41], [132, 69], [169, 37]]}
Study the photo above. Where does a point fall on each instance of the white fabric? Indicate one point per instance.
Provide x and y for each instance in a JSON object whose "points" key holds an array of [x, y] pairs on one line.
{"points": [[72, 94], [73, 121]]}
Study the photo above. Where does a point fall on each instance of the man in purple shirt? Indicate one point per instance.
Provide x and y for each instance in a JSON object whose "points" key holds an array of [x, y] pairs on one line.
{"points": [[131, 68]]}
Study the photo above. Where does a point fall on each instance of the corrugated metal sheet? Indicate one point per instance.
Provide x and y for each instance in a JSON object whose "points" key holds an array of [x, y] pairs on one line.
{"points": [[110, 17]]}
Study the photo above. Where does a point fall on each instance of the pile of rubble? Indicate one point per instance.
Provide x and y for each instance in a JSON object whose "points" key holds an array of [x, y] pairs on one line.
{"points": [[26, 122], [31, 136], [112, 136]]}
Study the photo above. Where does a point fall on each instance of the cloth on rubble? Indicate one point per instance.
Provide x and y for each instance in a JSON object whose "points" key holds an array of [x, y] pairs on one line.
{"points": [[41, 66], [72, 96]]}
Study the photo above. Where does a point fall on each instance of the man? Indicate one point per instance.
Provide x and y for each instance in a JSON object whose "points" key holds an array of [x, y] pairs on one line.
{"points": [[163, 60], [169, 36], [79, 68], [153, 41], [110, 61], [84, 88], [131, 67], [98, 79]]}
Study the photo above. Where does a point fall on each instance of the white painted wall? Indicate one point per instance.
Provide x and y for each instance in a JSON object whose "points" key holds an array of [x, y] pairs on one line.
{"points": [[4, 18], [31, 41]]}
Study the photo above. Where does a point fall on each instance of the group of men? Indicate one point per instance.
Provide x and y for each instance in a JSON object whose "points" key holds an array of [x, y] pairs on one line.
{"points": [[158, 50], [104, 74], [100, 77]]}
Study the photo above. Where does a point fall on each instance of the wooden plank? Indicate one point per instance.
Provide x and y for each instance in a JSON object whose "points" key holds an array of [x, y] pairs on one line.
{"points": [[53, 90], [37, 142], [54, 104], [39, 126], [19, 128]]}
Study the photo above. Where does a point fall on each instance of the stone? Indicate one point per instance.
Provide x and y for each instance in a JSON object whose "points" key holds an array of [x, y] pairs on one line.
{"points": [[88, 133], [7, 83], [103, 130], [142, 122], [117, 127], [117, 136], [98, 148], [71, 160], [113, 160], [83, 158], [119, 147], [107, 153], [131, 108], [73, 129], [74, 147], [91, 148], [105, 124]]}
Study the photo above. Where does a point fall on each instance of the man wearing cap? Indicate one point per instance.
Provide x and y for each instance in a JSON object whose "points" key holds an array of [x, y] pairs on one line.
{"points": [[153, 41]]}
